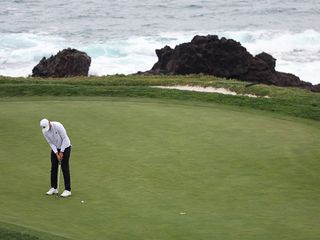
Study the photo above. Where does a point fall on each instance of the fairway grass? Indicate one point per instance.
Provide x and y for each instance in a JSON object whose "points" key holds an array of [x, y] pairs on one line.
{"points": [[138, 164]]}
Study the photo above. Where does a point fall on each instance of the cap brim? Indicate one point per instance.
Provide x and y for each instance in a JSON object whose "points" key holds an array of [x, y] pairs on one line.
{"points": [[45, 129]]}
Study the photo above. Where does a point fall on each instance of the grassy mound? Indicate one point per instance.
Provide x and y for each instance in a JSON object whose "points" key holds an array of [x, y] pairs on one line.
{"points": [[159, 168], [288, 101]]}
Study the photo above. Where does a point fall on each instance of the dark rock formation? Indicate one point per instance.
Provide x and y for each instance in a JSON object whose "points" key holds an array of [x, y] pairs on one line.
{"points": [[315, 88], [222, 58], [268, 59], [67, 63]]}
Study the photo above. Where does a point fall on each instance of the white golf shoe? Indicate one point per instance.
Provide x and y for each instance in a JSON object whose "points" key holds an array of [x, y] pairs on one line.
{"points": [[66, 193], [52, 191]]}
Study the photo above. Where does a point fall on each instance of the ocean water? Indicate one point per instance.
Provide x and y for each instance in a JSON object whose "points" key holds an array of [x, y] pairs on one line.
{"points": [[121, 36]]}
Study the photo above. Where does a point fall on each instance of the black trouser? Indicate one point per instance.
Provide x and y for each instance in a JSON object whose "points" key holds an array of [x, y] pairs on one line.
{"points": [[64, 167]]}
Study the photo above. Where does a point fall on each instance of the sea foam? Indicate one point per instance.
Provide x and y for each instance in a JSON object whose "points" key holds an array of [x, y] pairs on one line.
{"points": [[296, 52]]}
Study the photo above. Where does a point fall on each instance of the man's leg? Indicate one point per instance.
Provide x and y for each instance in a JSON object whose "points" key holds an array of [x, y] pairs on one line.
{"points": [[54, 170], [66, 169]]}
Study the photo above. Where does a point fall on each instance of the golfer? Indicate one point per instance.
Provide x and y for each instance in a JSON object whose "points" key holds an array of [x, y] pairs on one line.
{"points": [[57, 137]]}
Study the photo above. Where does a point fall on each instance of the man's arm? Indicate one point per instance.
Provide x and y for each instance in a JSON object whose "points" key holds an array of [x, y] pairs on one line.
{"points": [[65, 139], [53, 147]]}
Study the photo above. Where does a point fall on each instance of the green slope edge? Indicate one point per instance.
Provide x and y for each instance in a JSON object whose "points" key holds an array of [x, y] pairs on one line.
{"points": [[289, 101]]}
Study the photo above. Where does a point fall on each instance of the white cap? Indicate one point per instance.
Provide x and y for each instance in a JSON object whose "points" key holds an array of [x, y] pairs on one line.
{"points": [[44, 124]]}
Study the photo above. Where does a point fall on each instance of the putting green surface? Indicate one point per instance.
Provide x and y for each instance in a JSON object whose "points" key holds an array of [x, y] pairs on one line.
{"points": [[161, 170]]}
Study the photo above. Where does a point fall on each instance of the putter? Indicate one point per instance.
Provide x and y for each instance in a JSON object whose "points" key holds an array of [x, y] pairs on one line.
{"points": [[58, 183]]}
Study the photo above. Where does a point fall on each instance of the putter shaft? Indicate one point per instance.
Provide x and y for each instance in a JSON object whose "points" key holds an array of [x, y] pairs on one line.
{"points": [[58, 183]]}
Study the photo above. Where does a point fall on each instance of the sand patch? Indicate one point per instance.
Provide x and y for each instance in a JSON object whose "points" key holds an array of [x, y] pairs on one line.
{"points": [[208, 90]]}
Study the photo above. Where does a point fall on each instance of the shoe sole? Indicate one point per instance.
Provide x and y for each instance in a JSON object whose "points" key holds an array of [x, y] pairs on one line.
{"points": [[65, 196]]}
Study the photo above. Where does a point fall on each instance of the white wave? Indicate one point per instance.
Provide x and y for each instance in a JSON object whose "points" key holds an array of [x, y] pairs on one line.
{"points": [[297, 53], [19, 53]]}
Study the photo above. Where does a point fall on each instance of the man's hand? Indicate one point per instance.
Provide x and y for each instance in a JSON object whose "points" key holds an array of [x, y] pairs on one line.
{"points": [[59, 157]]}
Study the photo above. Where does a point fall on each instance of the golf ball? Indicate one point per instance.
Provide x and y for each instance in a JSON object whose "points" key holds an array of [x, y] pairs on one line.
{"points": [[82, 201]]}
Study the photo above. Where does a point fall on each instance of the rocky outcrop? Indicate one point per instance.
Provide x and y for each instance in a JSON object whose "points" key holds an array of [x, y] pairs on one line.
{"points": [[222, 58], [316, 88], [66, 63], [268, 59], [210, 55]]}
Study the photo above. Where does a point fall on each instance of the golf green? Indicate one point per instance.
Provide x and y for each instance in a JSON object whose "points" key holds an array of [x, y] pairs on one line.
{"points": [[149, 169]]}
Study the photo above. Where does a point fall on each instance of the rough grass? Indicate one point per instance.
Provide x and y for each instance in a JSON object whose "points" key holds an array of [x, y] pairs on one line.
{"points": [[15, 232], [290, 101]]}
